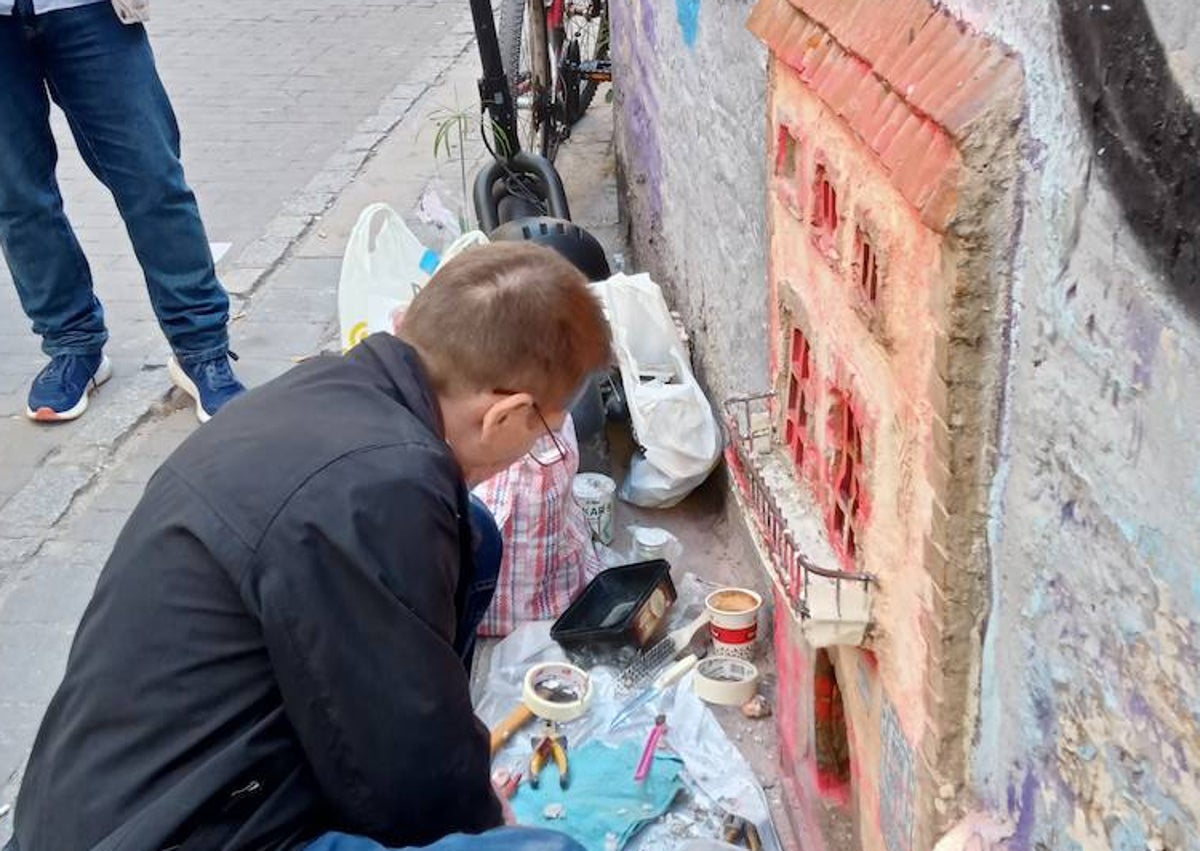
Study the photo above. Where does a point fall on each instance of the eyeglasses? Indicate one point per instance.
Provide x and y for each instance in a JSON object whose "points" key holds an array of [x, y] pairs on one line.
{"points": [[542, 454], [547, 456]]}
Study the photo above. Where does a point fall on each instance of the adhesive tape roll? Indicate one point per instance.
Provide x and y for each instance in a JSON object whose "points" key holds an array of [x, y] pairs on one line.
{"points": [[725, 680], [557, 691]]}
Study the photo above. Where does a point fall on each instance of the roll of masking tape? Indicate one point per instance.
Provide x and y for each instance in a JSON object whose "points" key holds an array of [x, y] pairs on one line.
{"points": [[725, 680], [557, 691]]}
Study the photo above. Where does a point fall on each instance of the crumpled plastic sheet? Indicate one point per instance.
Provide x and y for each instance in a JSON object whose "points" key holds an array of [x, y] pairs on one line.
{"points": [[717, 778]]}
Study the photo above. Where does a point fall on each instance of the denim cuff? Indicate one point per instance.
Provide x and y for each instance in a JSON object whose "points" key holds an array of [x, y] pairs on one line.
{"points": [[78, 350], [191, 358]]}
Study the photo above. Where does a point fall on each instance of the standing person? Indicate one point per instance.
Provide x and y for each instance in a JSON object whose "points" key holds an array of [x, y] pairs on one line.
{"points": [[275, 655], [101, 73]]}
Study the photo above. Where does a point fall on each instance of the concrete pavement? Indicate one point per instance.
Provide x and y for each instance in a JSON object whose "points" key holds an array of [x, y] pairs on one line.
{"points": [[279, 109]]}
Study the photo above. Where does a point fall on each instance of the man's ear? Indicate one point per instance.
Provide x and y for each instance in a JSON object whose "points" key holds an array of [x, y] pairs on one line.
{"points": [[503, 410]]}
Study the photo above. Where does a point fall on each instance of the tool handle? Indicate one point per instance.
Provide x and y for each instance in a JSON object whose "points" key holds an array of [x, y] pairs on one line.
{"points": [[683, 636], [674, 672], [643, 767], [514, 721]]}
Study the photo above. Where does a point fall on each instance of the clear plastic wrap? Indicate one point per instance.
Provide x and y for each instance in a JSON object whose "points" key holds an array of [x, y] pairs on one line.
{"points": [[718, 778]]}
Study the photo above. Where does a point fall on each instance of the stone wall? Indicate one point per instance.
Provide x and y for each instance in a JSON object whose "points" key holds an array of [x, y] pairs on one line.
{"points": [[1089, 727], [689, 90]]}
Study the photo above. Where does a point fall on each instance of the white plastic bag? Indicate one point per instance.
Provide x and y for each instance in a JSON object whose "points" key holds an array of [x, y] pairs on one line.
{"points": [[470, 239], [672, 419], [382, 270]]}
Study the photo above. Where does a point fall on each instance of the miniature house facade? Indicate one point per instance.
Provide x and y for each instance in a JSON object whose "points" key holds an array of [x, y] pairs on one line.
{"points": [[865, 471]]}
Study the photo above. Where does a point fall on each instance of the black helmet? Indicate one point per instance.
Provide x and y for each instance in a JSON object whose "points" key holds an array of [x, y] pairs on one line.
{"points": [[567, 238]]}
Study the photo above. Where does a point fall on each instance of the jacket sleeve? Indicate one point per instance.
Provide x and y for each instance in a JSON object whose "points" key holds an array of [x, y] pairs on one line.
{"points": [[355, 583]]}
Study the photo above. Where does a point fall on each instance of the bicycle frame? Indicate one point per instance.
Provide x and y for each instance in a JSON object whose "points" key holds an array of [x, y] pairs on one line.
{"points": [[555, 11], [494, 92], [534, 173]]}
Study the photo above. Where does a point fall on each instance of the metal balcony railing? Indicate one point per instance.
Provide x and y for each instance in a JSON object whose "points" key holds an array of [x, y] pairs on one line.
{"points": [[815, 592]]}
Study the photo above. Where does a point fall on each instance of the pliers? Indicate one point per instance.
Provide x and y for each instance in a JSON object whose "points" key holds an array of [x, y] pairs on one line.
{"points": [[551, 744], [738, 830]]}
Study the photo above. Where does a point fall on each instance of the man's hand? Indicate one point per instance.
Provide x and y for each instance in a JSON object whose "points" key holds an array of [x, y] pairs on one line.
{"points": [[505, 783]]}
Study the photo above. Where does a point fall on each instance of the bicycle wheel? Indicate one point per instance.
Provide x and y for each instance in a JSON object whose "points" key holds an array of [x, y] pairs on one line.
{"points": [[584, 37], [526, 61]]}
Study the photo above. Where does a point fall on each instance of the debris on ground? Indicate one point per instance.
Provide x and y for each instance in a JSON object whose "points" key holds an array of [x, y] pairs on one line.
{"points": [[757, 707], [715, 777]]}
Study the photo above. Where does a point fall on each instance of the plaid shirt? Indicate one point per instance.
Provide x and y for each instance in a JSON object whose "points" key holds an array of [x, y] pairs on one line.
{"points": [[548, 551]]}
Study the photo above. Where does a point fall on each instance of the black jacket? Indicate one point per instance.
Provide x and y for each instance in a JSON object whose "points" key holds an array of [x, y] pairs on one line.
{"points": [[268, 654]]}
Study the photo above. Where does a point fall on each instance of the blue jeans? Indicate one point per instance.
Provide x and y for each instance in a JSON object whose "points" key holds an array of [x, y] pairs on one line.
{"points": [[500, 839], [102, 75], [488, 548]]}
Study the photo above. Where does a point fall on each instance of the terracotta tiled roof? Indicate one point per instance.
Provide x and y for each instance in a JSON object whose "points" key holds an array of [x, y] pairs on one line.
{"points": [[907, 77]]}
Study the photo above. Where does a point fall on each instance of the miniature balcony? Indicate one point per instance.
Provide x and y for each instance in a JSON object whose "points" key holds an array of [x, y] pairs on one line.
{"points": [[832, 606]]}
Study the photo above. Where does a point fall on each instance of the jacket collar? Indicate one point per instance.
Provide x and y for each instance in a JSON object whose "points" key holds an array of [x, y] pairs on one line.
{"points": [[399, 372]]}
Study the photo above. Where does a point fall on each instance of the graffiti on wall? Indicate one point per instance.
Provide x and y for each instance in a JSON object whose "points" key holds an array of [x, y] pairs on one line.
{"points": [[1145, 131], [635, 35], [897, 783], [1099, 734], [865, 675], [688, 14]]}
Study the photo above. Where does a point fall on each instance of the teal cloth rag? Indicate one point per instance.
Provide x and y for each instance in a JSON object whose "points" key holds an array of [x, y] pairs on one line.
{"points": [[602, 797]]}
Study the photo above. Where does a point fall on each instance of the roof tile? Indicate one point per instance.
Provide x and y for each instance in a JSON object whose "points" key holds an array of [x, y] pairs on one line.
{"points": [[881, 140], [961, 110], [933, 61], [865, 100], [904, 146], [905, 76]]}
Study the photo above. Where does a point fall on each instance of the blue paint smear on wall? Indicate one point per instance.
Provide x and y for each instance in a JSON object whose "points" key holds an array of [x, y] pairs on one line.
{"points": [[688, 13]]}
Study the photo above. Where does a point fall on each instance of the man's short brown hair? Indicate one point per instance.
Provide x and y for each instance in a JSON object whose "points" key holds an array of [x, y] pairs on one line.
{"points": [[509, 316]]}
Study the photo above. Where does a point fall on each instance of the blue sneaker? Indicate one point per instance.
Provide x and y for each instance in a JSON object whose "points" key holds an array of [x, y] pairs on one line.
{"points": [[60, 391], [211, 383]]}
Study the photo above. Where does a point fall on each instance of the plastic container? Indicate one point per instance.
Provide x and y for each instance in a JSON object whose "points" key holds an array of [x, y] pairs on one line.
{"points": [[651, 543], [624, 605]]}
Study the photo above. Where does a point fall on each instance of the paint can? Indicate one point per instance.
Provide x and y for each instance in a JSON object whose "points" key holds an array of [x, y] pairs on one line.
{"points": [[651, 543], [596, 494], [734, 621]]}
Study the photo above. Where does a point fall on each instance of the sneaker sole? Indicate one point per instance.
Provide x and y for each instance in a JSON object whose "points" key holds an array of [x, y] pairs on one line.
{"points": [[49, 415], [179, 379]]}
